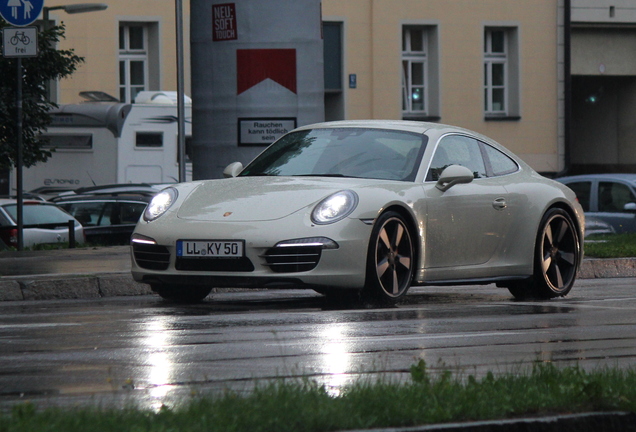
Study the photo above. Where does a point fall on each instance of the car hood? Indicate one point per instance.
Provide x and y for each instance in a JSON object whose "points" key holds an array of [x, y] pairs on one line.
{"points": [[251, 199]]}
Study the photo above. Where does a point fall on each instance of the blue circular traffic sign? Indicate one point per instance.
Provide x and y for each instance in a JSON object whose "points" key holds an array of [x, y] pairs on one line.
{"points": [[20, 12]]}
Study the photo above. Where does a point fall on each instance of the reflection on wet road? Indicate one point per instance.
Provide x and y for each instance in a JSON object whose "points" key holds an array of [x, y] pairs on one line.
{"points": [[142, 350]]}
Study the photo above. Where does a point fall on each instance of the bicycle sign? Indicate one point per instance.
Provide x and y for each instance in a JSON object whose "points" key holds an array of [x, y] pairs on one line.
{"points": [[20, 41], [20, 37]]}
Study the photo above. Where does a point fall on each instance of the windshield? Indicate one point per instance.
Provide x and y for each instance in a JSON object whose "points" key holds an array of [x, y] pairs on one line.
{"points": [[345, 152]]}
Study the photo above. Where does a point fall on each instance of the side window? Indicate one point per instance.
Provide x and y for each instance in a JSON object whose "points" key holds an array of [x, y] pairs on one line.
{"points": [[457, 150], [86, 213], [70, 141], [499, 162], [149, 139], [583, 191], [612, 196], [131, 212]]}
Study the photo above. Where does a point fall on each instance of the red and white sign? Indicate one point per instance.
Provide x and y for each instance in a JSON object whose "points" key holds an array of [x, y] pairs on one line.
{"points": [[224, 22], [256, 65]]}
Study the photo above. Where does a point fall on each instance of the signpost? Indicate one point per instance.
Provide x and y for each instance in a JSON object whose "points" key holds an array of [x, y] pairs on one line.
{"points": [[18, 43]]}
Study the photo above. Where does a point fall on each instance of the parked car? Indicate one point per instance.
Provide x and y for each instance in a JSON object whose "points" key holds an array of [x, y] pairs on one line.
{"points": [[609, 198], [43, 223], [108, 213], [369, 208]]}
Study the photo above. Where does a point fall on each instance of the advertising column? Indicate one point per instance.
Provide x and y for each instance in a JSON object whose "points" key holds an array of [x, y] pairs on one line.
{"points": [[257, 73]]}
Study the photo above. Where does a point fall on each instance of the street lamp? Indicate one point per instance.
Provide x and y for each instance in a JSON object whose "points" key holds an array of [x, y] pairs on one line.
{"points": [[73, 9]]}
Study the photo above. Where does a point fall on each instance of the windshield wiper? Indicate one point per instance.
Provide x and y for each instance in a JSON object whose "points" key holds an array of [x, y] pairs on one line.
{"points": [[322, 175]]}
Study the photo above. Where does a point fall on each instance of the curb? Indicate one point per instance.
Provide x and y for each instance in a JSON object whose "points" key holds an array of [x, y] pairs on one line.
{"points": [[81, 286], [594, 268], [64, 287]]}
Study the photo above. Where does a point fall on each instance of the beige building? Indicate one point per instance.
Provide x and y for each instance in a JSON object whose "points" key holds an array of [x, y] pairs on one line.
{"points": [[494, 66], [129, 47]]}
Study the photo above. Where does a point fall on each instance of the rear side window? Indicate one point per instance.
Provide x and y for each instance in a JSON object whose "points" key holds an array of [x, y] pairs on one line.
{"points": [[582, 190], [500, 163]]}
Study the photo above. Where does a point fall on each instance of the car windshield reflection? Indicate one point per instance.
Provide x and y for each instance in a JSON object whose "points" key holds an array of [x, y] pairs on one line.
{"points": [[348, 152]]}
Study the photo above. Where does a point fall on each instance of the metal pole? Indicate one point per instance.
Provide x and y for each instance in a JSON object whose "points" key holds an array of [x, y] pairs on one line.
{"points": [[567, 85], [19, 158], [71, 233], [180, 92]]}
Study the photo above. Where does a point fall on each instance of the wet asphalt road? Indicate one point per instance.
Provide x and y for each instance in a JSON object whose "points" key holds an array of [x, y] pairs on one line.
{"points": [[144, 351]]}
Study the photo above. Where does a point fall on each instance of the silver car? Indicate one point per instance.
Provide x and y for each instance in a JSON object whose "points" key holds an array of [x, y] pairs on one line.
{"points": [[608, 199], [43, 223], [365, 208]]}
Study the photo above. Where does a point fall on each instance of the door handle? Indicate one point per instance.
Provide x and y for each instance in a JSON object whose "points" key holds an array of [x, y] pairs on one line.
{"points": [[499, 204]]}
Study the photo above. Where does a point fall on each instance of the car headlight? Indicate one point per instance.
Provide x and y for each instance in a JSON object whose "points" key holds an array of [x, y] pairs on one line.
{"points": [[160, 203], [335, 207]]}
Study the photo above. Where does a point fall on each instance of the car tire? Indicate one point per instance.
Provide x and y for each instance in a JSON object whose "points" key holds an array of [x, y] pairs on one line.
{"points": [[181, 293], [390, 260], [557, 258]]}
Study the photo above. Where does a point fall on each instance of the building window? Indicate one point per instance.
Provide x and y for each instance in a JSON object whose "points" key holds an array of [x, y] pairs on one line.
{"points": [[501, 73], [333, 66], [133, 61], [420, 72], [495, 66], [414, 70]]}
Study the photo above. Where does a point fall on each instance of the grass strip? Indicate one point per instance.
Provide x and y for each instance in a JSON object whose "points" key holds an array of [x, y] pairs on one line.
{"points": [[611, 246], [303, 405]]}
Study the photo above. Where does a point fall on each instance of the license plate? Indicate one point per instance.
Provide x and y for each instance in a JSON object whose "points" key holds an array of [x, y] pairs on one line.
{"points": [[210, 248]]}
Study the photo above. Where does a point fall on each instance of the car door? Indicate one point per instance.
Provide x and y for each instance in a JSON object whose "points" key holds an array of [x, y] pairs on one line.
{"points": [[466, 223]]}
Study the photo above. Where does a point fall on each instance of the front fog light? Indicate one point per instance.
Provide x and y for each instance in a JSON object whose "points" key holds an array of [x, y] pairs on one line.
{"points": [[160, 203], [335, 207]]}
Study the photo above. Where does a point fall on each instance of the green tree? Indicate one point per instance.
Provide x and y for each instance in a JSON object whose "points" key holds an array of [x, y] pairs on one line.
{"points": [[37, 71]]}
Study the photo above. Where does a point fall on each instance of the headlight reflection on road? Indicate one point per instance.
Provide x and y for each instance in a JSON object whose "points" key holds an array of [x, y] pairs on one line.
{"points": [[158, 360], [336, 358]]}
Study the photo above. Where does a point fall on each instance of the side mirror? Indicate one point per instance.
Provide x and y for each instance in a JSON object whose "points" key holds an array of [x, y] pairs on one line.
{"points": [[233, 169], [630, 207], [452, 175]]}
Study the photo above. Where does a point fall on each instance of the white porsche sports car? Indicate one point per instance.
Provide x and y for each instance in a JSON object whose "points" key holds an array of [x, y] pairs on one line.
{"points": [[365, 207]]}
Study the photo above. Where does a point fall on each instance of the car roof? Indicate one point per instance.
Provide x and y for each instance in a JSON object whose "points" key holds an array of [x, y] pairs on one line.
{"points": [[626, 177], [406, 125]]}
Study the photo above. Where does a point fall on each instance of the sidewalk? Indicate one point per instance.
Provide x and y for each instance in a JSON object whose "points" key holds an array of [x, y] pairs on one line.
{"points": [[105, 272]]}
